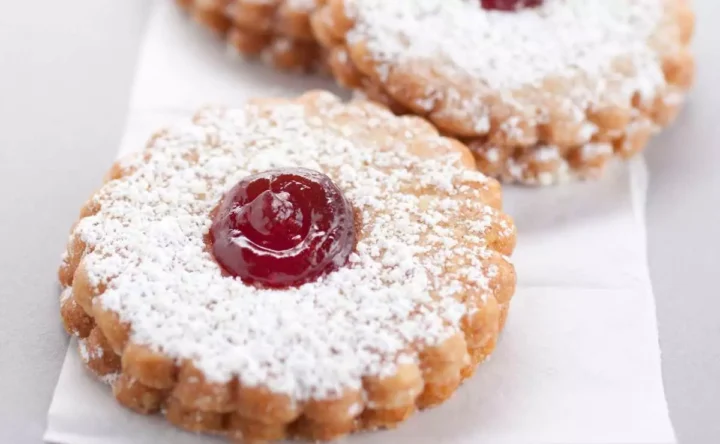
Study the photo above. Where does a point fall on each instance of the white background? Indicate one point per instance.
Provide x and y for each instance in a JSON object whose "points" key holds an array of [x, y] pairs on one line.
{"points": [[65, 73]]}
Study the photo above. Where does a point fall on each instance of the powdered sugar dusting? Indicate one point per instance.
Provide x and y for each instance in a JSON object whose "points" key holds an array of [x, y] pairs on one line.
{"points": [[596, 50], [302, 5], [65, 295], [109, 379], [418, 266], [88, 353], [82, 348]]}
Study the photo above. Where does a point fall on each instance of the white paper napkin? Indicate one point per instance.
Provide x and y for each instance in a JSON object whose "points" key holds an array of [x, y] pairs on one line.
{"points": [[579, 361]]}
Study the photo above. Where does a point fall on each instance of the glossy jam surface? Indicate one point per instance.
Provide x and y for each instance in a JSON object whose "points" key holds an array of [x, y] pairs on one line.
{"points": [[509, 5], [282, 228]]}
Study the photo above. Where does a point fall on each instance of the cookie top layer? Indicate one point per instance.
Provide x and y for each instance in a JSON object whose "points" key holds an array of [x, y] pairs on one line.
{"points": [[563, 56], [429, 226]]}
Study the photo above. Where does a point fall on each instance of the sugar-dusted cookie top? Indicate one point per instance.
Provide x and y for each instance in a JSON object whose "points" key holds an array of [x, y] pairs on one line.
{"points": [[557, 74], [428, 273]]}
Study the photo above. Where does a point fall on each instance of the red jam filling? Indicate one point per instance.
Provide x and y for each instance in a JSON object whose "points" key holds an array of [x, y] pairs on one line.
{"points": [[510, 5], [282, 228]]}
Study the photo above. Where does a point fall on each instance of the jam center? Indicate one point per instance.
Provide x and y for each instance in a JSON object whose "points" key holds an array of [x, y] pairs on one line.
{"points": [[283, 227], [272, 220], [509, 5]]}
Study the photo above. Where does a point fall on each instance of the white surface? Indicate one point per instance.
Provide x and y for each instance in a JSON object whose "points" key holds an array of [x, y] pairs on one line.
{"points": [[579, 361], [65, 70]]}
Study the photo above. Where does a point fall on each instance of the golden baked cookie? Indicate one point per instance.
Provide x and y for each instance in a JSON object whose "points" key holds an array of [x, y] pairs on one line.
{"points": [[540, 90], [295, 268], [277, 31]]}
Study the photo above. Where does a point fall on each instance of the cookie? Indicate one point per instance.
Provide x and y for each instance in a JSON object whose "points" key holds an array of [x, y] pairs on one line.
{"points": [[296, 268], [276, 31], [541, 91]]}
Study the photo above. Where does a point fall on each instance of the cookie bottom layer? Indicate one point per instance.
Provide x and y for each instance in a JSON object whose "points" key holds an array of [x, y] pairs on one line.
{"points": [[254, 37]]}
